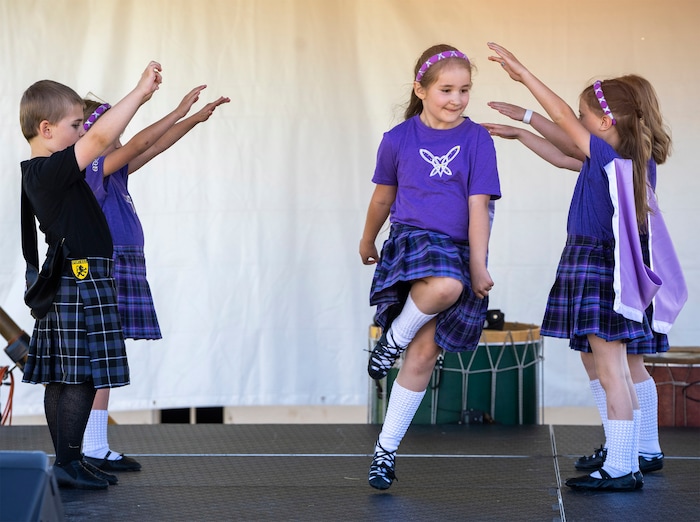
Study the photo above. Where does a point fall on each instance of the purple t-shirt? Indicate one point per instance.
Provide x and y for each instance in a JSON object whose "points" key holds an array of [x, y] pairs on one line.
{"points": [[591, 210], [435, 171], [112, 194]]}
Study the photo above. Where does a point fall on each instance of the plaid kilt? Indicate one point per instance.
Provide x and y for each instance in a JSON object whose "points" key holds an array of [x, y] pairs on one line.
{"points": [[80, 339], [658, 342], [581, 300], [412, 253], [136, 310]]}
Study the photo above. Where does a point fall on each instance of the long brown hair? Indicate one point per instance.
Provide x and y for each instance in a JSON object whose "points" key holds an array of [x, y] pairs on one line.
{"points": [[636, 137], [651, 113]]}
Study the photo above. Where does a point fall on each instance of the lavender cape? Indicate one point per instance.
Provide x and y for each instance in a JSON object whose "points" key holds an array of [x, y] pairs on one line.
{"points": [[636, 285]]}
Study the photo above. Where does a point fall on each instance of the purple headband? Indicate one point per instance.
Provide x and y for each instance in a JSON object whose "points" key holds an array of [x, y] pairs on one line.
{"points": [[96, 114], [436, 58], [598, 90]]}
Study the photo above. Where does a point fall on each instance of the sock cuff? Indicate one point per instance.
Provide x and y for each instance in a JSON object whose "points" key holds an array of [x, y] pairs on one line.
{"points": [[413, 307], [98, 416], [409, 321], [645, 386], [405, 394]]}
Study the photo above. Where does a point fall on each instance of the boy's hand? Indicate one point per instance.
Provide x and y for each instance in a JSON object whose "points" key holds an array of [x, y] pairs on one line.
{"points": [[150, 80], [206, 111]]}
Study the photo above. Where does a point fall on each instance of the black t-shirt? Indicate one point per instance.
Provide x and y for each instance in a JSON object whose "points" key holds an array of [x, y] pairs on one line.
{"points": [[65, 205]]}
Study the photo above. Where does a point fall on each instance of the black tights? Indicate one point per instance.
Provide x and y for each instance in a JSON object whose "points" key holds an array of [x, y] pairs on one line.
{"points": [[67, 408]]}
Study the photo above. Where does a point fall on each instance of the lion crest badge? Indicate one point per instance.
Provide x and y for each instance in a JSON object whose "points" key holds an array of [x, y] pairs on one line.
{"points": [[80, 268]]}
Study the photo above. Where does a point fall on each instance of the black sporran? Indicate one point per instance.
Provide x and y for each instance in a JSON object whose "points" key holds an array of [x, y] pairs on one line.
{"points": [[43, 286]]}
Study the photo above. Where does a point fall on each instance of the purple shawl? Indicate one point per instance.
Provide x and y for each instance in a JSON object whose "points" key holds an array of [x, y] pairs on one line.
{"points": [[636, 285]]}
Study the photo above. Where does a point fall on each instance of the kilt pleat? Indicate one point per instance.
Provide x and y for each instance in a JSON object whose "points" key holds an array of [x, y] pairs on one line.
{"points": [[134, 298], [581, 299], [80, 339], [412, 253]]}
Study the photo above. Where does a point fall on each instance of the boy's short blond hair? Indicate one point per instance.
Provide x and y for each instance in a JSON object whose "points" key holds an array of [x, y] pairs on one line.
{"points": [[45, 100]]}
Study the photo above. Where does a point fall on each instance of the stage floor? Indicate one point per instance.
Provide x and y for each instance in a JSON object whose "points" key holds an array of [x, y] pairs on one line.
{"points": [[216, 472]]}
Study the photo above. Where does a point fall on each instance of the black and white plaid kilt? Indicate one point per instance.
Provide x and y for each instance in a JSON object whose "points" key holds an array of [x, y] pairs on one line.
{"points": [[412, 253], [80, 339], [581, 300], [136, 310]]}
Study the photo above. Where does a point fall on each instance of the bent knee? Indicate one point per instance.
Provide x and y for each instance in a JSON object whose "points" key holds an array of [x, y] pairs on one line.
{"points": [[447, 289]]}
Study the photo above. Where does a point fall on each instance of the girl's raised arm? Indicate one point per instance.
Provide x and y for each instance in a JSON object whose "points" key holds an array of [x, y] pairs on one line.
{"points": [[558, 110]]}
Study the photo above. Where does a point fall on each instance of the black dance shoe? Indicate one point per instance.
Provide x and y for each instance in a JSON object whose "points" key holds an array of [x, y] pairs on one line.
{"points": [[647, 465], [383, 357], [592, 462], [381, 471], [122, 464], [112, 479], [606, 483], [74, 475]]}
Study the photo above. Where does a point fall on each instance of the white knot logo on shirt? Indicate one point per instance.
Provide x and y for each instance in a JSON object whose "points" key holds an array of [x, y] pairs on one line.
{"points": [[440, 163], [128, 199], [96, 165]]}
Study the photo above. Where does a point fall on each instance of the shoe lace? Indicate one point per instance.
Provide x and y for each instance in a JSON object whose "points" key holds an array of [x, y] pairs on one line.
{"points": [[597, 453], [383, 464], [384, 354]]}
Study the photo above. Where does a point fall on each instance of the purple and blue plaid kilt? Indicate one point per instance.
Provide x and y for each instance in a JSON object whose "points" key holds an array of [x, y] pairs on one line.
{"points": [[658, 342], [80, 339], [581, 300], [412, 253], [138, 315]]}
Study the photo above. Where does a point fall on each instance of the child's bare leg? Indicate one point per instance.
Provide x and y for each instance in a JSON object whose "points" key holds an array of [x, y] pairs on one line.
{"points": [[613, 371]]}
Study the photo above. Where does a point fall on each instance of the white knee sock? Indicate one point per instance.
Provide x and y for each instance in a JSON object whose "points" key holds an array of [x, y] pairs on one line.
{"points": [[403, 404], [637, 416], [620, 448], [649, 424], [95, 443], [406, 325], [600, 401]]}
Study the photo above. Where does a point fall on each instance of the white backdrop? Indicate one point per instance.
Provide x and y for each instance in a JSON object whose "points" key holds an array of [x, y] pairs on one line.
{"points": [[252, 221]]}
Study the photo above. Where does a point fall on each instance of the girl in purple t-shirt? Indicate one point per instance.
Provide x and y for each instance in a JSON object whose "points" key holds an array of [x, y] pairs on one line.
{"points": [[108, 179], [556, 147], [583, 301], [435, 178]]}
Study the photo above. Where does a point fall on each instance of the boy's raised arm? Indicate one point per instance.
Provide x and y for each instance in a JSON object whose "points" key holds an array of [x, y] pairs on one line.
{"points": [[108, 128]]}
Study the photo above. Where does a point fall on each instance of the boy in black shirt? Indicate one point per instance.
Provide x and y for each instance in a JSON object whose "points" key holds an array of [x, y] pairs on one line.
{"points": [[78, 345]]}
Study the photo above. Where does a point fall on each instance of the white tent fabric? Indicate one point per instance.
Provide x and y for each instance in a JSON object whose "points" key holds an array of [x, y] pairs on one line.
{"points": [[253, 220]]}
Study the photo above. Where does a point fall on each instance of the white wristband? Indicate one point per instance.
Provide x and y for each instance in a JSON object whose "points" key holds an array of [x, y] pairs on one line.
{"points": [[527, 117]]}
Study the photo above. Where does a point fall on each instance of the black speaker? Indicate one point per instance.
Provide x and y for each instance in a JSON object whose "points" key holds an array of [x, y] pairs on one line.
{"points": [[28, 489], [495, 320]]}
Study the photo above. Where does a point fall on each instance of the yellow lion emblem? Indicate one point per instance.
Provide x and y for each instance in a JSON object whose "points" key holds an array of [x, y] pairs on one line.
{"points": [[80, 268]]}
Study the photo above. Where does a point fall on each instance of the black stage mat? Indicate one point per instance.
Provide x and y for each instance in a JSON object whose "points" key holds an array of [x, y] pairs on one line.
{"points": [[319, 472]]}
